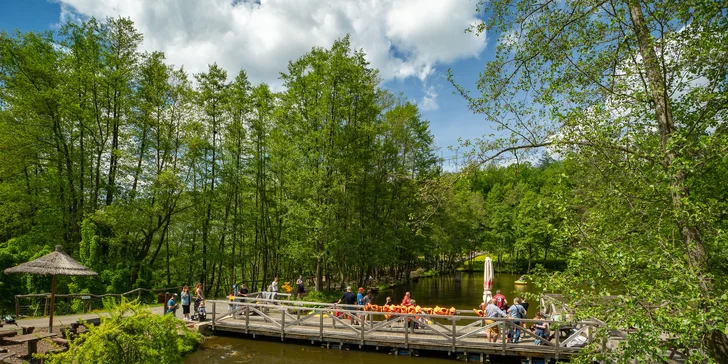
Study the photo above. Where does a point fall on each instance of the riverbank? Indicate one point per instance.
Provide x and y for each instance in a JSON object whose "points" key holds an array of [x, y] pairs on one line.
{"points": [[511, 266]]}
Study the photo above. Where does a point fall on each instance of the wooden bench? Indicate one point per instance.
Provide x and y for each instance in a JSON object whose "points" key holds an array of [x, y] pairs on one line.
{"points": [[7, 333], [31, 339], [4, 356]]}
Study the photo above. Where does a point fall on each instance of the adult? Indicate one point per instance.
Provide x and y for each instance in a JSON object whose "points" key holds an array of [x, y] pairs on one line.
{"points": [[186, 299], [500, 300], [299, 283], [198, 292], [274, 288], [172, 305], [243, 290], [199, 298], [517, 312], [369, 298], [493, 311], [349, 298], [541, 329], [524, 303], [407, 300]]}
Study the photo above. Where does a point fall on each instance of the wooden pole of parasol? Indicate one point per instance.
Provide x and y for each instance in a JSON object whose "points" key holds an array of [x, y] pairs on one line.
{"points": [[53, 300]]}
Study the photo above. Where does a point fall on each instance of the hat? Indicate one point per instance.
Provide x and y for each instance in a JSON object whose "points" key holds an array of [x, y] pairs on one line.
{"points": [[361, 289], [174, 295], [348, 288]]}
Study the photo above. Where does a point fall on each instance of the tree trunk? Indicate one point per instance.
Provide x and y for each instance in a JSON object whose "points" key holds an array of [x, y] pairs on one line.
{"points": [[715, 341]]}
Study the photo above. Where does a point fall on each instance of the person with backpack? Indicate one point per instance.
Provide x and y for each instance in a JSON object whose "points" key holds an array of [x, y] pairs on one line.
{"points": [[517, 312]]}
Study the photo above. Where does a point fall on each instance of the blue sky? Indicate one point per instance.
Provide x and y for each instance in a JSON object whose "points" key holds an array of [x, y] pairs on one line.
{"points": [[412, 42]]}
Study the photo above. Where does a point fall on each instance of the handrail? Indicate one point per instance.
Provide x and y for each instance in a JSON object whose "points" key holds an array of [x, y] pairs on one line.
{"points": [[448, 334], [90, 295], [43, 295]]}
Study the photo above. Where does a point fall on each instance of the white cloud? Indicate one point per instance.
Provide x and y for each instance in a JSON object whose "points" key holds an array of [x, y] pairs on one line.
{"points": [[429, 101], [402, 38]]}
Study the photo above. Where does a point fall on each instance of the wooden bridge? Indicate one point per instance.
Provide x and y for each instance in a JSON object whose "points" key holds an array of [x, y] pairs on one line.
{"points": [[462, 333]]}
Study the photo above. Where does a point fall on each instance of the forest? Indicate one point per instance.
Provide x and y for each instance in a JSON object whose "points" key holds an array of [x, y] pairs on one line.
{"points": [[157, 178], [610, 155]]}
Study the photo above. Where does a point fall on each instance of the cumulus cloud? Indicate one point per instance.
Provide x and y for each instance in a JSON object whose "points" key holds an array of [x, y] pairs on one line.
{"points": [[402, 38], [429, 101]]}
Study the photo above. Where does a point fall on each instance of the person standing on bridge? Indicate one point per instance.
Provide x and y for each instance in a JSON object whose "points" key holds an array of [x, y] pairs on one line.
{"points": [[492, 311], [500, 299], [349, 299], [517, 312], [299, 283], [274, 288]]}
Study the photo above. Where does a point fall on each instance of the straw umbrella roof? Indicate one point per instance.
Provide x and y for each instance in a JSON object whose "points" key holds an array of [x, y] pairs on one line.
{"points": [[55, 263]]}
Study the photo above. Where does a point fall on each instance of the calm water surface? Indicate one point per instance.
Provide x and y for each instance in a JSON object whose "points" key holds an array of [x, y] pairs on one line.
{"points": [[428, 292]]}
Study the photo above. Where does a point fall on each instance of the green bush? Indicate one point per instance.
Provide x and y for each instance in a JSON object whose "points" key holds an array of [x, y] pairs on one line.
{"points": [[323, 296], [130, 335]]}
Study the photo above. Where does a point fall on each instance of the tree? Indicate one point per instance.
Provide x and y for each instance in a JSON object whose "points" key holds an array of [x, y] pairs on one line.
{"points": [[634, 93]]}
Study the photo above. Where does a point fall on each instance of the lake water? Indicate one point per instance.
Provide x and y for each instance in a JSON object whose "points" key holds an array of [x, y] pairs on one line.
{"points": [[442, 291]]}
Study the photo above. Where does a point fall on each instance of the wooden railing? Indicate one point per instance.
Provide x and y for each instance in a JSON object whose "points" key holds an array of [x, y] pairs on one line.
{"points": [[326, 322], [90, 297]]}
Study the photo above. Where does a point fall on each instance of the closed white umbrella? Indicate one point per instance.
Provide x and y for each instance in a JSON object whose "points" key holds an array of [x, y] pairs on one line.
{"points": [[487, 280]]}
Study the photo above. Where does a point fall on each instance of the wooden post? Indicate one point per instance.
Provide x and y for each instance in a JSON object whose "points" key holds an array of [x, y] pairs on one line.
{"points": [[283, 323], [362, 328], [503, 335], [17, 306], [321, 326], [33, 345], [214, 312], [454, 334], [247, 317], [406, 331], [558, 344], [53, 298]]}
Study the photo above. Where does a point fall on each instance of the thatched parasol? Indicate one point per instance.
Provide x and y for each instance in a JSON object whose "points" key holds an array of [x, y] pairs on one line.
{"points": [[55, 263]]}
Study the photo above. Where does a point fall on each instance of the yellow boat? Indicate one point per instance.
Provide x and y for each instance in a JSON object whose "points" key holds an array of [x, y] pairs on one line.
{"points": [[520, 282]]}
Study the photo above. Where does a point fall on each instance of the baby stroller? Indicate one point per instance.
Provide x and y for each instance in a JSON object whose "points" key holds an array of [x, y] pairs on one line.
{"points": [[200, 312]]}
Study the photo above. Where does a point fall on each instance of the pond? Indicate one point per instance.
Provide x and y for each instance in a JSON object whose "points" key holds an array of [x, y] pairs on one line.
{"points": [[442, 291]]}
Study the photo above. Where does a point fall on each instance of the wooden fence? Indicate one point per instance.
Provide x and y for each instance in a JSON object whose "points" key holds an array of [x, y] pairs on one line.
{"points": [[328, 323], [88, 300]]}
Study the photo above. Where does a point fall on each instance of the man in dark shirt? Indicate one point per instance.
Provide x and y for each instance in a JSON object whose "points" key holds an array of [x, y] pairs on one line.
{"points": [[349, 298]]}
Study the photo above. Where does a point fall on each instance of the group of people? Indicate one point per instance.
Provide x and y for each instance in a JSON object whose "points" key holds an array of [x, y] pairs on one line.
{"points": [[300, 290], [498, 307], [185, 301]]}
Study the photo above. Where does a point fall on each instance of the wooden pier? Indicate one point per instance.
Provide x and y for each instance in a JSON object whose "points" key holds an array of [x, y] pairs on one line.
{"points": [[328, 324]]}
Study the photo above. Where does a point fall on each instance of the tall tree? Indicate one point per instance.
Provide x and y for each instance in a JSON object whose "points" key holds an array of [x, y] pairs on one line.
{"points": [[634, 92]]}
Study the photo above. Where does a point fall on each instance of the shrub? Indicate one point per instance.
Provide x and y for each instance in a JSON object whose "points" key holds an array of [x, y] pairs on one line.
{"points": [[131, 334]]}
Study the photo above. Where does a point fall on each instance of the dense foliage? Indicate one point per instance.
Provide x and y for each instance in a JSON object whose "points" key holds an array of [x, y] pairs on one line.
{"points": [[131, 334], [632, 95], [154, 178]]}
